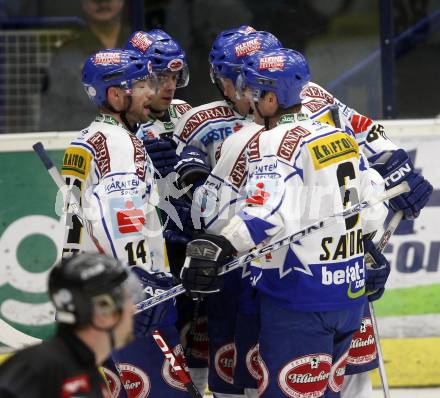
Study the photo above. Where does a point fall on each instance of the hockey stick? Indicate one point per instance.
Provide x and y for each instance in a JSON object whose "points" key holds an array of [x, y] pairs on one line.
{"points": [[76, 207], [260, 252], [393, 224], [177, 365]]}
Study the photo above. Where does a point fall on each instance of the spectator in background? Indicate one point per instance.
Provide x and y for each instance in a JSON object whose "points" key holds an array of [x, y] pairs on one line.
{"points": [[65, 105]]}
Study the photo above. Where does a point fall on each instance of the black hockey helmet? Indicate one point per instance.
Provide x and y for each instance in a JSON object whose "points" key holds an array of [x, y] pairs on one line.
{"points": [[82, 283]]}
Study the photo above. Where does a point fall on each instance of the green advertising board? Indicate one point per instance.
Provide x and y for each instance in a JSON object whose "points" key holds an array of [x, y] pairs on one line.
{"points": [[29, 234]]}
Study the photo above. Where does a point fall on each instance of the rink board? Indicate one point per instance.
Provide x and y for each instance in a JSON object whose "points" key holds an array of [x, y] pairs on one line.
{"points": [[31, 235]]}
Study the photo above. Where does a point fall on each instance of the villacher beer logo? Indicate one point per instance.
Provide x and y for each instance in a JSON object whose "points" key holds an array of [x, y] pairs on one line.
{"points": [[263, 381], [113, 382], [362, 347], [306, 377], [225, 362], [136, 383], [253, 363], [337, 374]]}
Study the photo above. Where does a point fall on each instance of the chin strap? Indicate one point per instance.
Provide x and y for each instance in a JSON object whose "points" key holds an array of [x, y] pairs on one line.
{"points": [[123, 114], [265, 118]]}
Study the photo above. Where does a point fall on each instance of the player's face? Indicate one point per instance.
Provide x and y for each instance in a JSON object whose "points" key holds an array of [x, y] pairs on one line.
{"points": [[123, 331], [241, 104], [142, 94], [167, 87], [102, 10], [266, 105]]}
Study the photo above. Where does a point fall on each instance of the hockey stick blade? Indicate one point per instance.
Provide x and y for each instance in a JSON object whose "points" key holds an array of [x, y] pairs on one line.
{"points": [[257, 253]]}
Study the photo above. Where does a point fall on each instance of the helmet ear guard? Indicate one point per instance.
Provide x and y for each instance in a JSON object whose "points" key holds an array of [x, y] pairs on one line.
{"points": [[87, 284]]}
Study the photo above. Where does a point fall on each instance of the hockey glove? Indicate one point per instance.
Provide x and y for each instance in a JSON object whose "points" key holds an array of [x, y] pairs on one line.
{"points": [[193, 168], [378, 269], [204, 258], [161, 315], [399, 168], [162, 152]]}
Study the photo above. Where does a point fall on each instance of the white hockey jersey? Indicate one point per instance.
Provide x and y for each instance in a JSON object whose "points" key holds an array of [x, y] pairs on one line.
{"points": [[207, 126], [300, 173], [109, 168], [166, 125], [223, 192], [371, 137]]}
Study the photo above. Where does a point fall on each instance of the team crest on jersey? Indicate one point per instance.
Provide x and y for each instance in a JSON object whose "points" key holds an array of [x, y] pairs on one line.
{"points": [[225, 362], [306, 377], [175, 65], [363, 345], [107, 58], [272, 63], [113, 382], [247, 47], [169, 375], [136, 382], [142, 41]]}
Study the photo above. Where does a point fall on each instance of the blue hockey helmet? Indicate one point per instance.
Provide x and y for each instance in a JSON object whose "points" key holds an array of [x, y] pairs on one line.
{"points": [[283, 71], [227, 55], [113, 67], [165, 53]]}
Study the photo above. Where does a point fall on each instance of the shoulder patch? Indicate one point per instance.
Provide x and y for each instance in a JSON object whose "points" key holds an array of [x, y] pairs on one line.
{"points": [[76, 162], [314, 105], [139, 157], [219, 112], [290, 141], [332, 149], [317, 92], [102, 155], [254, 147], [360, 123], [182, 108], [239, 170]]}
